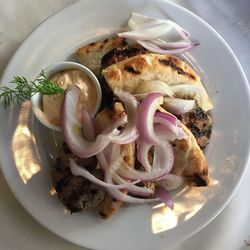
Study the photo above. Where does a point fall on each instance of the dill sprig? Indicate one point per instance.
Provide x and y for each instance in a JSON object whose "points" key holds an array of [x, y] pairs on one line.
{"points": [[25, 89]]}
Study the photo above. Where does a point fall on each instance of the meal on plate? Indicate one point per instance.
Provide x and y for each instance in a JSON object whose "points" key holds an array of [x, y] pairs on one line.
{"points": [[148, 136]]}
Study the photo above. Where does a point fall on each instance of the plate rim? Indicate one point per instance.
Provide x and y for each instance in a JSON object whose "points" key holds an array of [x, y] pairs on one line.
{"points": [[244, 80]]}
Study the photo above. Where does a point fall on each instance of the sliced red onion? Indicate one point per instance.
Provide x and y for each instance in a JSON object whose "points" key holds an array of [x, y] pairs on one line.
{"points": [[163, 156], [118, 195], [102, 160], [146, 113], [72, 129], [170, 122], [80, 171], [142, 155], [171, 181], [116, 156], [130, 133], [155, 86], [157, 158], [110, 157], [88, 131], [184, 33], [148, 33], [158, 35], [167, 116], [164, 133], [133, 174], [110, 172], [138, 21], [181, 133], [163, 167], [178, 106], [147, 44], [167, 124], [171, 45], [165, 196], [107, 154], [148, 117], [131, 187]]}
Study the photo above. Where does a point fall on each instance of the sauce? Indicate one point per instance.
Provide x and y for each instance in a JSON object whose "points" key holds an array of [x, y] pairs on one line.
{"points": [[52, 103]]}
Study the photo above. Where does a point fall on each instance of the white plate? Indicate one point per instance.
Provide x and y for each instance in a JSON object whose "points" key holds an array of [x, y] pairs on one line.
{"points": [[25, 145]]}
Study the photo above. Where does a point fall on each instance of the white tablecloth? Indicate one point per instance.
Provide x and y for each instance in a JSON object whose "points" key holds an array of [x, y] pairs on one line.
{"points": [[230, 230]]}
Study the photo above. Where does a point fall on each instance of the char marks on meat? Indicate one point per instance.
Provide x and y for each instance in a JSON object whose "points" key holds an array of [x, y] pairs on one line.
{"points": [[75, 192], [200, 124]]}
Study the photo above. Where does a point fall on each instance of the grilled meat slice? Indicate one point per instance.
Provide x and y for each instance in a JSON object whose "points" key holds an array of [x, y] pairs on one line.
{"points": [[199, 123], [75, 192]]}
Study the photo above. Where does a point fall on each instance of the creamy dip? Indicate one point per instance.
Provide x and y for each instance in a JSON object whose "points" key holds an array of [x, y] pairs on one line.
{"points": [[52, 103]]}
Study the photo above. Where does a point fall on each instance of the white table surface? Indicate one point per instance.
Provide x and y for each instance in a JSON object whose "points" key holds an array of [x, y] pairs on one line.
{"points": [[230, 230]]}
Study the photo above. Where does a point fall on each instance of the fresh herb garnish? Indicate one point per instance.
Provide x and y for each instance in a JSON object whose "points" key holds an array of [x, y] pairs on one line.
{"points": [[25, 89]]}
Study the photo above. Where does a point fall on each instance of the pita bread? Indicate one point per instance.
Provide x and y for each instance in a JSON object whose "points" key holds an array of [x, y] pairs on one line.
{"points": [[190, 162], [91, 54], [130, 73]]}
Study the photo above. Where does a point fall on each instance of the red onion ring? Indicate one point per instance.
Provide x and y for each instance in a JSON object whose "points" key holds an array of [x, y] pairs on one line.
{"points": [[163, 157], [131, 188], [167, 116], [146, 113], [88, 131], [164, 133], [156, 129], [156, 49], [118, 195], [158, 35], [81, 171], [170, 122], [72, 129], [171, 181], [165, 197], [138, 21], [178, 106], [163, 167], [130, 133], [171, 45], [142, 155]]}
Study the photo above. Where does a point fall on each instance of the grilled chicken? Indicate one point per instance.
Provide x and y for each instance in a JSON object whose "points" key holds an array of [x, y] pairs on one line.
{"points": [[75, 192]]}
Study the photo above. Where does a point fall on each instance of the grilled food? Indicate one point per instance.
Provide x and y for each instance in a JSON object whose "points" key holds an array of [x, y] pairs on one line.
{"points": [[122, 66], [90, 55], [75, 192], [131, 72]]}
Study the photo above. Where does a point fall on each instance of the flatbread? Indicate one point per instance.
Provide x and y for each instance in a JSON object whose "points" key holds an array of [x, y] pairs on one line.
{"points": [[91, 54], [130, 73], [190, 162]]}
